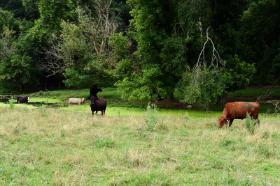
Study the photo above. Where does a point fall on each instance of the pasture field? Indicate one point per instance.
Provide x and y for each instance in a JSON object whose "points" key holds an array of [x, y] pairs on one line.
{"points": [[47, 142], [131, 146]]}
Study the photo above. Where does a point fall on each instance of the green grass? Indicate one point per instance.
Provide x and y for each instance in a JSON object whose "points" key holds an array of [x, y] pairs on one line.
{"points": [[111, 94], [48, 142], [61, 94], [47, 146]]}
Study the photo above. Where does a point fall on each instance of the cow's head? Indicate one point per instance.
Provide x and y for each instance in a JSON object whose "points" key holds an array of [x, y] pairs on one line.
{"points": [[222, 120], [83, 100]]}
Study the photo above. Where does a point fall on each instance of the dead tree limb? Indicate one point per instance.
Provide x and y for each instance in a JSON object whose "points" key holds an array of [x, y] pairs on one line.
{"points": [[202, 61]]}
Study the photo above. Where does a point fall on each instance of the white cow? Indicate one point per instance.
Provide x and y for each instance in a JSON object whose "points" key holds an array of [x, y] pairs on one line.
{"points": [[77, 101]]}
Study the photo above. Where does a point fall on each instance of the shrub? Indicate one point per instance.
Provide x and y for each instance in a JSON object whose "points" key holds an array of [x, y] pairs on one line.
{"points": [[240, 71], [202, 85], [250, 124]]}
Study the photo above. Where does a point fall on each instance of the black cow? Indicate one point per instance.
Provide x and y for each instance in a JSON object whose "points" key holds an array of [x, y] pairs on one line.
{"points": [[94, 90], [97, 104], [22, 99]]}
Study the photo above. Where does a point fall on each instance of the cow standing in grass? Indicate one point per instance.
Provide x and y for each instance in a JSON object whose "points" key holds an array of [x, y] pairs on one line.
{"points": [[77, 101], [239, 110], [22, 99], [97, 104]]}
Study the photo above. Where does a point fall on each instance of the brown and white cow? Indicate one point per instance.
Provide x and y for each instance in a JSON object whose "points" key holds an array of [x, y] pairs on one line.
{"points": [[239, 110]]}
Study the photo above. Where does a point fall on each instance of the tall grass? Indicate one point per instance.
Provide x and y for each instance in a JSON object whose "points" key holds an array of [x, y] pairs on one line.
{"points": [[151, 117], [55, 147]]}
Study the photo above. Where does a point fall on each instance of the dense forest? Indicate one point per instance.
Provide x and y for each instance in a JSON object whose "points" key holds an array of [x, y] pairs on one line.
{"points": [[150, 49]]}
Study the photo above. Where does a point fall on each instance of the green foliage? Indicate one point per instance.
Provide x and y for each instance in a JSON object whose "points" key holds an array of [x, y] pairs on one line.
{"points": [[6, 20], [73, 48], [143, 86], [14, 68], [172, 42], [261, 39], [241, 72], [124, 68], [82, 50], [155, 45], [120, 46], [158, 61], [31, 9], [52, 12], [202, 85], [15, 72]]}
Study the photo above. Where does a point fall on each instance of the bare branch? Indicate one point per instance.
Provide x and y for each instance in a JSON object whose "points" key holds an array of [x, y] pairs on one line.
{"points": [[101, 27], [6, 43], [202, 61], [54, 60]]}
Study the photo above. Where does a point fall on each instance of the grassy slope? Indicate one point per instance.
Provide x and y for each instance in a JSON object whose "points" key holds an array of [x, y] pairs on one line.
{"points": [[54, 147]]}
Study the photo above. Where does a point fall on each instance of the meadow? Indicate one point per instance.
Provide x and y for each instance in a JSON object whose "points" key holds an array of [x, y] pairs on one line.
{"points": [[45, 145]]}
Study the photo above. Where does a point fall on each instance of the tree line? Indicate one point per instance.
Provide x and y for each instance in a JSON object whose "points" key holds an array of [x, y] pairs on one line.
{"points": [[149, 49]]}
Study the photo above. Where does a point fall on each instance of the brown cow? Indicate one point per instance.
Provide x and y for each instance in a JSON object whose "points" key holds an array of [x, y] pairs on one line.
{"points": [[239, 110]]}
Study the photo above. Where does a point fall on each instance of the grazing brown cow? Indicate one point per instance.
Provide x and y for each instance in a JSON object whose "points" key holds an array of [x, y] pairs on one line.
{"points": [[239, 110]]}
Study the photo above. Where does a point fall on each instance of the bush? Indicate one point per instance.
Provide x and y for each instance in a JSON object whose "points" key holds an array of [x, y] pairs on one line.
{"points": [[250, 124], [145, 85], [240, 72], [202, 85]]}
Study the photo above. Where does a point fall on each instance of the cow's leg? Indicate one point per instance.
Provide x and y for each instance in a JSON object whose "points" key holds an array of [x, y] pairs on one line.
{"points": [[257, 120], [230, 122]]}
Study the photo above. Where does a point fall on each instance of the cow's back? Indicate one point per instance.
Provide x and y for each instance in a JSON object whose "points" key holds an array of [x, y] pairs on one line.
{"points": [[75, 100], [239, 110], [99, 104]]}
